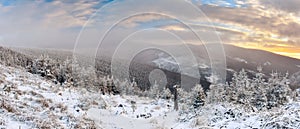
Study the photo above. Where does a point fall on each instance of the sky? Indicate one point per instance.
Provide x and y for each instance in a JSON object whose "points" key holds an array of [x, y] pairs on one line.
{"points": [[271, 25]]}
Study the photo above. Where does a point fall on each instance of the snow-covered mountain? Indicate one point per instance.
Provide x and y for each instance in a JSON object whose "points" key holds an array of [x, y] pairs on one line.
{"points": [[237, 58]]}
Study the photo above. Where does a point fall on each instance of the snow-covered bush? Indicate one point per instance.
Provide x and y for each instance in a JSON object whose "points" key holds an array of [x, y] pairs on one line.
{"points": [[198, 96], [295, 81], [253, 94], [278, 92], [166, 94], [154, 91]]}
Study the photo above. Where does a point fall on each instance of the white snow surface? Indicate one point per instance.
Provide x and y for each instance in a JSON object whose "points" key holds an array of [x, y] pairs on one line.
{"points": [[29, 101], [149, 114], [181, 65], [241, 60]]}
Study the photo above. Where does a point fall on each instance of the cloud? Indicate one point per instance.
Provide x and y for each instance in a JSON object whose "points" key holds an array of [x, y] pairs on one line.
{"points": [[65, 14], [264, 22], [285, 5], [44, 23], [51, 23], [136, 20], [173, 28]]}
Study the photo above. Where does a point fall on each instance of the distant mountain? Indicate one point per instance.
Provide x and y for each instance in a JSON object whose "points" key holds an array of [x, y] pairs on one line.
{"points": [[237, 58], [59, 54]]}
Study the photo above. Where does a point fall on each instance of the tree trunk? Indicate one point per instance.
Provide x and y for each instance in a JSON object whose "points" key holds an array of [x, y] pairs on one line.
{"points": [[175, 99]]}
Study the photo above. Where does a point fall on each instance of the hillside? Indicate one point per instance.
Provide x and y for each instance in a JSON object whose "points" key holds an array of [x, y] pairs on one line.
{"points": [[237, 58], [29, 101], [13, 58]]}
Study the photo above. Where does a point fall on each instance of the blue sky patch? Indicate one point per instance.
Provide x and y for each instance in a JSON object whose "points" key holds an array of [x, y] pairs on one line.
{"points": [[48, 1], [107, 1], [8, 2], [224, 3]]}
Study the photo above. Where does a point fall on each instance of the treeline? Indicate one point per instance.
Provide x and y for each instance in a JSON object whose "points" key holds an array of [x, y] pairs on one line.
{"points": [[255, 93], [12, 58], [70, 73], [66, 72]]}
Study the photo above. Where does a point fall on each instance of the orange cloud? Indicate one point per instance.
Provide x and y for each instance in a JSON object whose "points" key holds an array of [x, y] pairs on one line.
{"points": [[286, 50]]}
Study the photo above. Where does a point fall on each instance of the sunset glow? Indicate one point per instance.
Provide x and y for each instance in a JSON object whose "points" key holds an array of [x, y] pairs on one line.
{"points": [[270, 25]]}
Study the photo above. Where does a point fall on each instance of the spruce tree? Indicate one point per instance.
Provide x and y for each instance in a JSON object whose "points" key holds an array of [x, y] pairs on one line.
{"points": [[279, 90], [242, 84], [154, 91], [61, 77], [259, 98], [198, 96], [166, 93]]}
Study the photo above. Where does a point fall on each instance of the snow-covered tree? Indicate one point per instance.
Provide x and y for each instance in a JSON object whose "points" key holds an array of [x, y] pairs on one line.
{"points": [[154, 91], [242, 86], [61, 76], [76, 73], [166, 93], [129, 88], [11, 58], [34, 69], [183, 98], [198, 96], [279, 90], [295, 81], [112, 89], [216, 93], [259, 99]]}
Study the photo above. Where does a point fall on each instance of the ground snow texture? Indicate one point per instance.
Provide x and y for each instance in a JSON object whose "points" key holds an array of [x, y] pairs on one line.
{"points": [[29, 101]]}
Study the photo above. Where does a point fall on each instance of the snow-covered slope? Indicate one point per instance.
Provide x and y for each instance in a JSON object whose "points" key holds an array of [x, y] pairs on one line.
{"points": [[167, 62], [143, 113], [216, 116], [29, 101]]}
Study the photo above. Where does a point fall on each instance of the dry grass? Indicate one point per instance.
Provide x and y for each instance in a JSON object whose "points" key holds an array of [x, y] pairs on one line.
{"points": [[36, 94], [19, 92], [157, 108], [43, 102], [153, 121], [2, 81], [95, 103], [62, 107], [5, 105], [25, 106], [200, 121], [2, 122]]}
